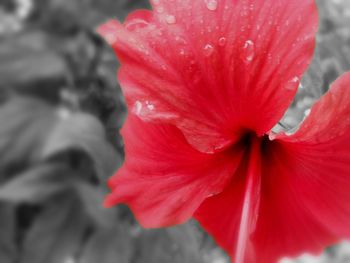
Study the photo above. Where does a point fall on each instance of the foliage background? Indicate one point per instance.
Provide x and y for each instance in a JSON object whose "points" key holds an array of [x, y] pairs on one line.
{"points": [[60, 112]]}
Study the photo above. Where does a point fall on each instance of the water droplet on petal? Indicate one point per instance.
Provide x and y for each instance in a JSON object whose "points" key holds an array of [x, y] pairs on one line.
{"points": [[208, 50], [136, 24], [222, 41], [160, 9], [292, 84], [170, 19], [137, 108], [307, 112], [212, 5], [295, 79], [143, 109], [150, 106], [249, 51]]}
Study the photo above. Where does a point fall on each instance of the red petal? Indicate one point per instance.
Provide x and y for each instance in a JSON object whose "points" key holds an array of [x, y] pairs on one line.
{"points": [[231, 216], [305, 202], [164, 179], [212, 67], [322, 149], [284, 226], [305, 191], [329, 118]]}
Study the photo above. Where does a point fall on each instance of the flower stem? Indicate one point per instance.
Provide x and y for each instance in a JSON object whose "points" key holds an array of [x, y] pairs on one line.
{"points": [[251, 201]]}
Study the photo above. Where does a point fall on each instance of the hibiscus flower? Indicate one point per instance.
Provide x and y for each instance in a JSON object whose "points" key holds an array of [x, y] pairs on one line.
{"points": [[205, 82]]}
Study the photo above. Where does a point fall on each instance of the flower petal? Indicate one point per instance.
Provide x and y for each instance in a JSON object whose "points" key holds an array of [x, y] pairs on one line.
{"points": [[164, 179], [220, 215], [305, 190], [284, 227], [305, 203], [214, 68], [322, 146], [231, 216], [329, 118]]}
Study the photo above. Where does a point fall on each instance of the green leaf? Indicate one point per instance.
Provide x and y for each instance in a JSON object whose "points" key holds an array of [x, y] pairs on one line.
{"points": [[57, 233], [8, 250], [172, 245], [24, 124], [32, 130], [83, 132], [312, 82], [108, 246], [36, 184], [92, 198], [26, 60]]}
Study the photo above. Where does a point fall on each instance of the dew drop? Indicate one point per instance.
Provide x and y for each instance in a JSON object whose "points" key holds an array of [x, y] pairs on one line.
{"points": [[150, 106], [160, 9], [295, 79], [307, 112], [222, 41], [136, 24], [170, 19], [212, 5], [143, 109], [292, 83], [208, 50], [137, 108], [249, 51]]}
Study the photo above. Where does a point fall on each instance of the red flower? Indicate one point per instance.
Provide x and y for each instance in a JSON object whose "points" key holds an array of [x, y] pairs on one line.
{"points": [[205, 82]]}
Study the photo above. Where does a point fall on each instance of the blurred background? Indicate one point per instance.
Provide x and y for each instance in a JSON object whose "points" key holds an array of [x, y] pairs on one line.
{"points": [[60, 112]]}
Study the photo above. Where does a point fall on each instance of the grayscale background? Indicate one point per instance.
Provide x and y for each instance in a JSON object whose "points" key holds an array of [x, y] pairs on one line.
{"points": [[60, 114]]}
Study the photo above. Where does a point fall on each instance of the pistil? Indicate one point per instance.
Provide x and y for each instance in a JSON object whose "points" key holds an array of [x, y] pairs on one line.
{"points": [[251, 201]]}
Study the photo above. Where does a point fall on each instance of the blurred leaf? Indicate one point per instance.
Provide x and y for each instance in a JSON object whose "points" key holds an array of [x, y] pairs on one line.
{"points": [[24, 124], [335, 56], [27, 61], [32, 130], [82, 132], [95, 12], [57, 233], [108, 246], [92, 198], [312, 82], [173, 245], [8, 251], [35, 184]]}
